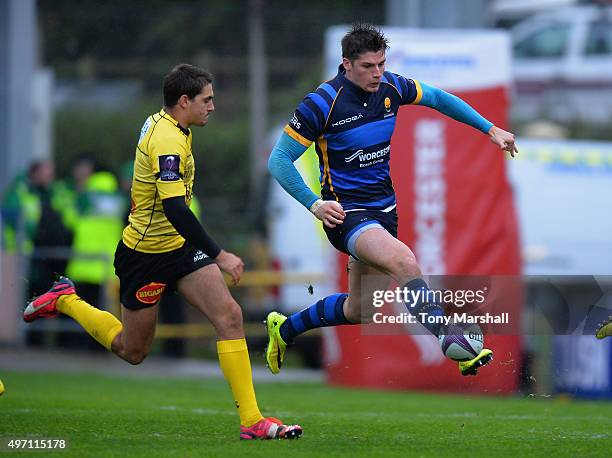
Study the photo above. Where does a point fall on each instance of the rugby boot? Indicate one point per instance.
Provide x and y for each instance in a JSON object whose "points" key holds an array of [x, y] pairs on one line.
{"points": [[44, 306]]}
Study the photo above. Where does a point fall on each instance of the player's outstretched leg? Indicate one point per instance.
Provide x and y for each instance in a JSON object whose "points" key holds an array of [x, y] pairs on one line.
{"points": [[282, 330], [604, 329], [62, 298]]}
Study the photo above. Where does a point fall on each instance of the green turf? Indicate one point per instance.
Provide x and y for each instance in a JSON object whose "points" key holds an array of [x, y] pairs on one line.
{"points": [[113, 416]]}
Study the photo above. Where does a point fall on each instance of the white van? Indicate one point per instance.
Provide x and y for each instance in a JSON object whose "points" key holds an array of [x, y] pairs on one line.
{"points": [[562, 65]]}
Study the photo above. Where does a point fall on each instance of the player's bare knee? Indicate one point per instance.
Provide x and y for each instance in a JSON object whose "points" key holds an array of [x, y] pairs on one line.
{"points": [[360, 317], [405, 266], [351, 316], [352, 310], [231, 320], [135, 357]]}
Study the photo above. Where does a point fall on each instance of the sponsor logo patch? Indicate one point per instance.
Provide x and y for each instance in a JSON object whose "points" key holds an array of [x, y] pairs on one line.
{"points": [[371, 158], [387, 104], [149, 294], [145, 129], [295, 123], [199, 255], [347, 120], [169, 166]]}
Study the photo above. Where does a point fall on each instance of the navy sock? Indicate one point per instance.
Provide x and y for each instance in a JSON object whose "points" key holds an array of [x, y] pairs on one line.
{"points": [[424, 304], [326, 312]]}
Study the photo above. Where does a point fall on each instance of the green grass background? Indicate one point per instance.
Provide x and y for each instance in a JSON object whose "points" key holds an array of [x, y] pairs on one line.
{"points": [[134, 416]]}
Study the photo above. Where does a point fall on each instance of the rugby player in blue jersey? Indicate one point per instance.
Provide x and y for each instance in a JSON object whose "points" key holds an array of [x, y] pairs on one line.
{"points": [[351, 119]]}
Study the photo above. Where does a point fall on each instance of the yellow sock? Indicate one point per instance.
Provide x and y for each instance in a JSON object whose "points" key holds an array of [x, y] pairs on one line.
{"points": [[100, 325], [236, 367]]}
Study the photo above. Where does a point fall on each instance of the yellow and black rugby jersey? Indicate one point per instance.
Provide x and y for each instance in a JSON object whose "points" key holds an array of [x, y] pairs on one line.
{"points": [[163, 168]]}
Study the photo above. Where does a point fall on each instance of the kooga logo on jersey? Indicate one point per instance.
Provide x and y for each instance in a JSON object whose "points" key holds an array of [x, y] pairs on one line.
{"points": [[347, 120], [368, 156]]}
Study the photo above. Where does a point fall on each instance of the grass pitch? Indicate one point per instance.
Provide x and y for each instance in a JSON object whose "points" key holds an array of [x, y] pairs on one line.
{"points": [[133, 416]]}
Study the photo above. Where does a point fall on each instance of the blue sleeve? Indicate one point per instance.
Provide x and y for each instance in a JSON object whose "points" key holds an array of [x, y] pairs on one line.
{"points": [[407, 89], [454, 107], [285, 153]]}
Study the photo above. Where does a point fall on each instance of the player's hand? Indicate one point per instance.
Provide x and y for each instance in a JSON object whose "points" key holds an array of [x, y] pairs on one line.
{"points": [[230, 264], [505, 140], [328, 211]]}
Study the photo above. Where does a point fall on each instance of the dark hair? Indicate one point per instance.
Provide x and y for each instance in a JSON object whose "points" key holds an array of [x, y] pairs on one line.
{"points": [[88, 157], [362, 38], [35, 166], [184, 79]]}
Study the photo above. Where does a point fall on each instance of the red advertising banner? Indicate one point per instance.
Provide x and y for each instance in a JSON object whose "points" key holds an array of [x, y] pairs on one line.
{"points": [[454, 200], [456, 213]]}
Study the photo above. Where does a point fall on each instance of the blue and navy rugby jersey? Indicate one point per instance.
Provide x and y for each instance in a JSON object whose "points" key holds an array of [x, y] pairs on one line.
{"points": [[352, 132]]}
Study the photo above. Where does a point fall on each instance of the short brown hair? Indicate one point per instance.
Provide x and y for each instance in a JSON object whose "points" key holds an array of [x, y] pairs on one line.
{"points": [[362, 38], [184, 79]]}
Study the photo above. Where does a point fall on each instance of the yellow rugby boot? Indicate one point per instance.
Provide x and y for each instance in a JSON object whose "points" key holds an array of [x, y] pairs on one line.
{"points": [[275, 351], [471, 367]]}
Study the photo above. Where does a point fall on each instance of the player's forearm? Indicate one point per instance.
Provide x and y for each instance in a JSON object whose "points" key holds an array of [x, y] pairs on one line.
{"points": [[454, 107], [280, 164], [188, 226]]}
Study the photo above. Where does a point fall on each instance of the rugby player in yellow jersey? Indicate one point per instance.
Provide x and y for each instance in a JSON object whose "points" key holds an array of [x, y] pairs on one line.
{"points": [[164, 248]]}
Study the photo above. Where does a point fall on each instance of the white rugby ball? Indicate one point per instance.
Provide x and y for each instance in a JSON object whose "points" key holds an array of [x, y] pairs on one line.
{"points": [[462, 343]]}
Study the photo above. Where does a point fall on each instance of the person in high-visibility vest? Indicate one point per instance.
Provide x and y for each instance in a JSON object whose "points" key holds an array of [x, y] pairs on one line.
{"points": [[99, 224], [70, 189], [33, 209], [33, 222], [20, 216]]}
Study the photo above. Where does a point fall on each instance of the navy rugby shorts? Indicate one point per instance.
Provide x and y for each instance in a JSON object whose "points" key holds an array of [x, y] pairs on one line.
{"points": [[344, 236]]}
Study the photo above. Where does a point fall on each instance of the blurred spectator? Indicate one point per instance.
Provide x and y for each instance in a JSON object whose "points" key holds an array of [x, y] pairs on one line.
{"points": [[68, 191], [34, 224], [100, 208], [84, 166]]}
